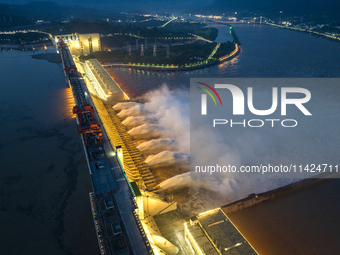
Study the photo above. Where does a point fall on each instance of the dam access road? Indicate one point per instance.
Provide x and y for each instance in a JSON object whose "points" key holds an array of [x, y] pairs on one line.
{"points": [[118, 230]]}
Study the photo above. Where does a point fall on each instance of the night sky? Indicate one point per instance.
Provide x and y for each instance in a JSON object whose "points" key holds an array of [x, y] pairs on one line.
{"points": [[127, 4], [293, 7]]}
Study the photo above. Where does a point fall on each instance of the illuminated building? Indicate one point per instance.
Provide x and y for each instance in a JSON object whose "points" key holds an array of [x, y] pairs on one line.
{"points": [[81, 44]]}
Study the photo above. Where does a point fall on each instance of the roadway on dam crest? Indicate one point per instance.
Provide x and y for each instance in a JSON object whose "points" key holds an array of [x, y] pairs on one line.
{"points": [[122, 196]]}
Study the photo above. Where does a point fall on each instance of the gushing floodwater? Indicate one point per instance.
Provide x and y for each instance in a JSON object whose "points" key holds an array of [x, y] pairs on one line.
{"points": [[249, 147], [168, 158], [163, 114], [135, 121], [166, 151], [266, 52], [136, 110], [146, 132], [155, 146], [159, 122], [125, 105]]}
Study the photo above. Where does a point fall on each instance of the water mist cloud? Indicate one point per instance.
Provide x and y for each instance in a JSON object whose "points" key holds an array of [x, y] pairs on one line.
{"points": [[158, 145], [172, 109], [168, 158], [231, 189], [137, 110], [124, 105], [135, 121], [147, 131]]}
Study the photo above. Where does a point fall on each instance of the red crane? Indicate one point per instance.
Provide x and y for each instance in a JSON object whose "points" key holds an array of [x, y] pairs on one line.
{"points": [[87, 123]]}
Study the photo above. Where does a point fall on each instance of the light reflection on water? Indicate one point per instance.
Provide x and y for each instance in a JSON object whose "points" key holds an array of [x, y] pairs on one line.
{"points": [[40, 156], [66, 94]]}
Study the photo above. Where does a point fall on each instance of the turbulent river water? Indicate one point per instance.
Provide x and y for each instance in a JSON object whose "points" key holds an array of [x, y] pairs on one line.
{"points": [[267, 52]]}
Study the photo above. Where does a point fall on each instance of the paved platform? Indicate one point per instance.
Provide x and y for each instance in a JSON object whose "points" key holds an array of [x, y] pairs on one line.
{"points": [[225, 236], [102, 177], [171, 226]]}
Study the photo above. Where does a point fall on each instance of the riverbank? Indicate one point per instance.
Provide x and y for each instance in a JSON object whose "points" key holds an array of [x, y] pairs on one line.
{"points": [[226, 58], [26, 46], [254, 199], [311, 32]]}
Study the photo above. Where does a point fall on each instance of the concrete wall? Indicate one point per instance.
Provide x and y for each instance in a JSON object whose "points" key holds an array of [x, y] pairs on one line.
{"points": [[89, 43], [255, 199], [81, 44], [154, 205]]}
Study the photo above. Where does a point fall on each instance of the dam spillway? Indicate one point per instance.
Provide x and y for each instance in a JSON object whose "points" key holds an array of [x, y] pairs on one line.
{"points": [[134, 165], [103, 87], [130, 212]]}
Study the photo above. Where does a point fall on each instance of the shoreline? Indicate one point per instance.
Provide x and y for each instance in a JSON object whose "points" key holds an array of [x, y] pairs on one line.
{"points": [[286, 190], [26, 46], [233, 54], [310, 32]]}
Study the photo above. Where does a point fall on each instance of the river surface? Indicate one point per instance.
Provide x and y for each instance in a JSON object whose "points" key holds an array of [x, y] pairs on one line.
{"points": [[44, 180], [44, 203], [266, 52], [305, 222]]}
